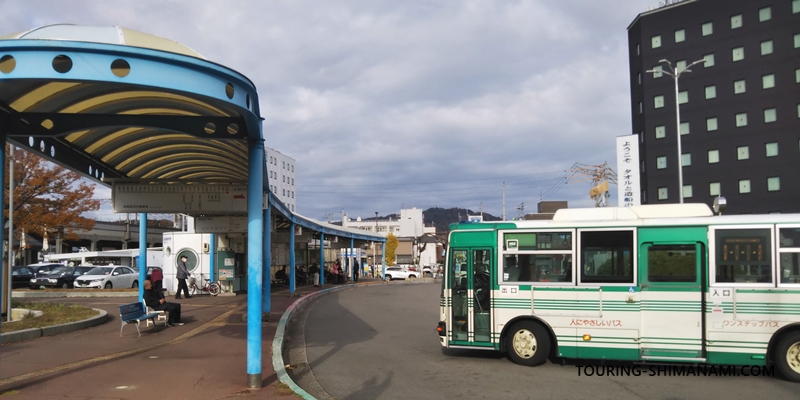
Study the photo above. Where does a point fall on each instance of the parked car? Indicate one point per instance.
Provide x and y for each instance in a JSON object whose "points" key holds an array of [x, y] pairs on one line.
{"points": [[393, 273], [59, 277], [108, 278], [44, 268], [21, 277]]}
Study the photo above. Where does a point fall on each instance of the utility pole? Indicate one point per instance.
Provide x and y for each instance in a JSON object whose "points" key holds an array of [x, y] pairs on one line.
{"points": [[504, 200]]}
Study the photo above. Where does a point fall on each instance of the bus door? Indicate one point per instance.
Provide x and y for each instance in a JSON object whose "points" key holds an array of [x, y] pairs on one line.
{"points": [[470, 273], [672, 276]]}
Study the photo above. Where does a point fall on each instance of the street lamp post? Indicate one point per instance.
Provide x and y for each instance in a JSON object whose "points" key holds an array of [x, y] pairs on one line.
{"points": [[374, 256], [675, 73]]}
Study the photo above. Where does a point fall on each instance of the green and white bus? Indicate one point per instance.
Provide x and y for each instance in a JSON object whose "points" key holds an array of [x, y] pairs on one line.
{"points": [[654, 283]]}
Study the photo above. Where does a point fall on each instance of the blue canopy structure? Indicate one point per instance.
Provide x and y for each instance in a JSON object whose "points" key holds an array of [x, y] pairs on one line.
{"points": [[121, 106]]}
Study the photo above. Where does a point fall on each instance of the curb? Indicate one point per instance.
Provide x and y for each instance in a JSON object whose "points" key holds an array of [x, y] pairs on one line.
{"points": [[277, 343], [34, 333], [52, 295]]}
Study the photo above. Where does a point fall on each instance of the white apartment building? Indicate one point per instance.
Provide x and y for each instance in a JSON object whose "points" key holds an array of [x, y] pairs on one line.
{"points": [[280, 169]]}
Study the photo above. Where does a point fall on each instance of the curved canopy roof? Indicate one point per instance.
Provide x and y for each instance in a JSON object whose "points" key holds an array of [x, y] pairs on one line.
{"points": [[117, 104]]}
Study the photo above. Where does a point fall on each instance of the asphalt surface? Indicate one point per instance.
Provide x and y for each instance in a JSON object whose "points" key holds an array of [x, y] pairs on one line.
{"points": [[379, 342], [206, 358]]}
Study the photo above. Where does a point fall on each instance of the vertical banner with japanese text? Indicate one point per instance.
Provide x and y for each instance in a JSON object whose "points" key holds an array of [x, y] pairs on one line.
{"points": [[628, 184]]}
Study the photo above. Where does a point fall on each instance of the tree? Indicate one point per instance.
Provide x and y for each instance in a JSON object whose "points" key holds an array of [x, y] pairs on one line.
{"points": [[47, 196], [391, 248]]}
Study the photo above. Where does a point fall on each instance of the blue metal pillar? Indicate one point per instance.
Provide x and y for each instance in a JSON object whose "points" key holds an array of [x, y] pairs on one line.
{"points": [[292, 275], [352, 264], [321, 259], [142, 253], [255, 260], [383, 261], [212, 257], [267, 246]]}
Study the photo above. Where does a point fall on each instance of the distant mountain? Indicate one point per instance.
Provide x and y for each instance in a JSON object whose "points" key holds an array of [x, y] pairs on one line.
{"points": [[441, 218]]}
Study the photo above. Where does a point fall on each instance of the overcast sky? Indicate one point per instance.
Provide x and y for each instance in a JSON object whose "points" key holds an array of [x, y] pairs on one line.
{"points": [[398, 104]]}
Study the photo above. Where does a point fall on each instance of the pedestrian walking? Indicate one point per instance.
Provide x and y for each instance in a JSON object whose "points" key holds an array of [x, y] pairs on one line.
{"points": [[356, 270], [182, 275]]}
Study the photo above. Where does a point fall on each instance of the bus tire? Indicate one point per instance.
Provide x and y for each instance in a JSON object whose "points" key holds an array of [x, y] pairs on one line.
{"points": [[527, 343], [787, 356]]}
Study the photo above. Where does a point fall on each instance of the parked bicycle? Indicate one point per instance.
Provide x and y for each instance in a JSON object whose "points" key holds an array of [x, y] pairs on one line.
{"points": [[212, 288]]}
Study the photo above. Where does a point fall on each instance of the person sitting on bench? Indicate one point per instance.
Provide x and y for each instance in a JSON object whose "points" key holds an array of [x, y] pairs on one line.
{"points": [[155, 300], [281, 276]]}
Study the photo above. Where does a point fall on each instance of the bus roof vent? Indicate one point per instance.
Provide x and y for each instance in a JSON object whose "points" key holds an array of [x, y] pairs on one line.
{"points": [[634, 212]]}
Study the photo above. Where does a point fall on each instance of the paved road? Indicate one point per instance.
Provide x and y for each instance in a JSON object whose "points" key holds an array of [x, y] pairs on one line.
{"points": [[379, 342]]}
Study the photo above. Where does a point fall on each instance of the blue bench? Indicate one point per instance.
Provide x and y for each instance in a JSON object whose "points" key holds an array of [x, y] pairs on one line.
{"points": [[135, 313]]}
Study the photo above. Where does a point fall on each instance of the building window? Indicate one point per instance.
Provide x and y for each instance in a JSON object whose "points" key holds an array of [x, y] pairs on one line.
{"points": [[713, 189], [738, 53], [743, 153], [661, 132], [796, 40], [662, 193], [711, 124], [708, 28], [739, 87], [795, 6], [770, 115], [741, 120], [736, 21], [764, 14], [683, 97], [773, 184], [640, 107], [658, 101], [684, 128], [680, 65], [797, 75], [709, 60], [638, 49], [655, 41], [687, 191], [711, 92], [766, 47], [772, 149], [713, 156], [680, 35], [639, 78], [768, 81], [657, 71], [798, 110], [661, 162], [744, 186], [686, 160]]}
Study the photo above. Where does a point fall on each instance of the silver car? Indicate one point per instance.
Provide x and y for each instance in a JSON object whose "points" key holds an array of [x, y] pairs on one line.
{"points": [[108, 278]]}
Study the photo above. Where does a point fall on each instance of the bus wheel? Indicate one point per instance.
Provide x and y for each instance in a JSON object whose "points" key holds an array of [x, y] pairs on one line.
{"points": [[787, 357], [527, 343]]}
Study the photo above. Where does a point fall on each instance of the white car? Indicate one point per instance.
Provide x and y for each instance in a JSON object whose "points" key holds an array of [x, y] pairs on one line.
{"points": [[108, 278], [393, 273]]}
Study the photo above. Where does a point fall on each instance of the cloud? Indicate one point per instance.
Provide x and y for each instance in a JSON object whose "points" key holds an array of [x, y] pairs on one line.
{"points": [[386, 104]]}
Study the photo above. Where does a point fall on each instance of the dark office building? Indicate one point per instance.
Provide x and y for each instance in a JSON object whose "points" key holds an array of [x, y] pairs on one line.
{"points": [[739, 111]]}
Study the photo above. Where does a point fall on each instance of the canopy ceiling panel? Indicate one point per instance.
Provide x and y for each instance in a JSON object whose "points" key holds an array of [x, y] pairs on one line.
{"points": [[116, 104]]}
